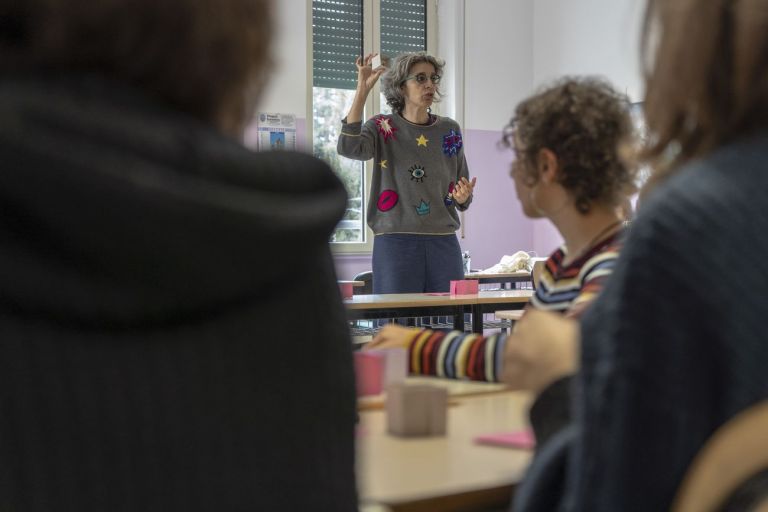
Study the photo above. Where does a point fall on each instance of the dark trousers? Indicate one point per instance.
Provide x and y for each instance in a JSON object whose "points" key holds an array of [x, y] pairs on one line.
{"points": [[404, 263]]}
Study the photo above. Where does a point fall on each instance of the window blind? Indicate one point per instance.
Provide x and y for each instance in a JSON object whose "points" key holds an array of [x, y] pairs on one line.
{"points": [[403, 26], [337, 32]]}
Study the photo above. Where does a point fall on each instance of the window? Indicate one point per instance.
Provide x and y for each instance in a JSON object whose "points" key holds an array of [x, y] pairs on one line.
{"points": [[342, 30]]}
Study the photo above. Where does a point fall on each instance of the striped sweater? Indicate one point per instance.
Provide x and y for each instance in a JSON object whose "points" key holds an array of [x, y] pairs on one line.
{"points": [[456, 354], [567, 289]]}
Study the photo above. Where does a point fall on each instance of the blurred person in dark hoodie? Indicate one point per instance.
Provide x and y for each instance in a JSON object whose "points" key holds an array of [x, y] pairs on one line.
{"points": [[152, 267]]}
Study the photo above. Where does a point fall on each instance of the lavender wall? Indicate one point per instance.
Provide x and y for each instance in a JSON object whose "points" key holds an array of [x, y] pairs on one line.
{"points": [[348, 265], [301, 134], [494, 224]]}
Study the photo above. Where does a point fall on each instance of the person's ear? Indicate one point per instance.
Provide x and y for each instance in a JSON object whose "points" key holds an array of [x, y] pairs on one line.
{"points": [[547, 165]]}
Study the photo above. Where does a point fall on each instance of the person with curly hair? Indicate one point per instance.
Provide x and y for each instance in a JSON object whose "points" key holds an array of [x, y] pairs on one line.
{"points": [[567, 169], [420, 179]]}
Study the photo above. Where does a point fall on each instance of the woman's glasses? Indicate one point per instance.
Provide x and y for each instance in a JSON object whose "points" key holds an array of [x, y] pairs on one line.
{"points": [[421, 78]]}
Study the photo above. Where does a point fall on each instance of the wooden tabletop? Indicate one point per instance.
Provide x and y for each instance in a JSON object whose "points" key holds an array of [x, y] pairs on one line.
{"points": [[353, 283], [436, 473], [487, 275], [456, 389], [410, 300], [511, 314], [505, 296]]}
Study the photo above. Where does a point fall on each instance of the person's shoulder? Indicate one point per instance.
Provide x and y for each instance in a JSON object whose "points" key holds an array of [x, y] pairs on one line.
{"points": [[554, 260], [607, 251], [445, 121], [280, 171], [703, 203], [734, 168], [303, 163], [383, 122], [379, 118]]}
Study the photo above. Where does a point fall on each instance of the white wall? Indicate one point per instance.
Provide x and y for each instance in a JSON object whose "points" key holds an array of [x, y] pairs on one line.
{"points": [[287, 88], [498, 60], [510, 47], [595, 37], [450, 47], [588, 37]]}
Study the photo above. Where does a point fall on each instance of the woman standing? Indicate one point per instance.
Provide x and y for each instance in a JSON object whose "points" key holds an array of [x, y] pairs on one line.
{"points": [[420, 179]]}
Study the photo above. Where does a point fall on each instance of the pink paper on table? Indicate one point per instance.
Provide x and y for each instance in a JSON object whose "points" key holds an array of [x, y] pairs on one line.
{"points": [[518, 439], [464, 287]]}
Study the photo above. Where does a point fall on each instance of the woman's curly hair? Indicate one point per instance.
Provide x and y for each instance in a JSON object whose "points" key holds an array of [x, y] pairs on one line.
{"points": [[584, 122]]}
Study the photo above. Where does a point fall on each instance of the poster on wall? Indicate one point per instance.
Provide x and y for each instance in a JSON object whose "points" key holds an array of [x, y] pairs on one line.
{"points": [[273, 131]]}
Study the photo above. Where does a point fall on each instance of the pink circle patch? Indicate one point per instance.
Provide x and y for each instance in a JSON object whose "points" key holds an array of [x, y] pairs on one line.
{"points": [[387, 200]]}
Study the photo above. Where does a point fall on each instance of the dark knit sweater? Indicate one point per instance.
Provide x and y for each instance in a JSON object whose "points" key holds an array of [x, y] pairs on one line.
{"points": [[154, 277], [676, 344]]}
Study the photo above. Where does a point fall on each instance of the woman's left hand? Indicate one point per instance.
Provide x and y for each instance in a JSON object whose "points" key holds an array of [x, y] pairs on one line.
{"points": [[463, 189]]}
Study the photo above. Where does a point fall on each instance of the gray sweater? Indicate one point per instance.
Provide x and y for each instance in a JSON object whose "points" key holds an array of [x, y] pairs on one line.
{"points": [[415, 169]]}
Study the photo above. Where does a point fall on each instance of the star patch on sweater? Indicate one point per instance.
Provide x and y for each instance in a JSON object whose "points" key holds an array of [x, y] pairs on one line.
{"points": [[452, 143], [423, 208], [422, 140], [384, 125], [417, 173]]}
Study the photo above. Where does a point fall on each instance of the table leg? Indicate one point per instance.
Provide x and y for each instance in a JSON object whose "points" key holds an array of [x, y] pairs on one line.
{"points": [[477, 319], [458, 319]]}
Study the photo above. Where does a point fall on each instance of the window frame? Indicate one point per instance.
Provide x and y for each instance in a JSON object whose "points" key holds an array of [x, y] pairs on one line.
{"points": [[371, 39]]}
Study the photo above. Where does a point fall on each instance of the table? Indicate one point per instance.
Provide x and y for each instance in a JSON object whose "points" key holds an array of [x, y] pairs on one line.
{"points": [[397, 305], [515, 314], [455, 387], [441, 474], [355, 284], [520, 276]]}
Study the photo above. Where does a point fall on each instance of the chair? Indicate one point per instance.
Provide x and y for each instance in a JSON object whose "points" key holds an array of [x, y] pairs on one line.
{"points": [[362, 330], [367, 278], [730, 472]]}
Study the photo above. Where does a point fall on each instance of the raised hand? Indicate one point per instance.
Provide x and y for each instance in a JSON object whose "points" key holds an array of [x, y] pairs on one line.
{"points": [[366, 75]]}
